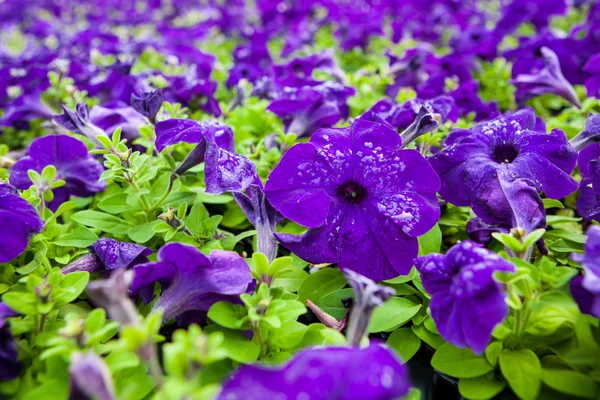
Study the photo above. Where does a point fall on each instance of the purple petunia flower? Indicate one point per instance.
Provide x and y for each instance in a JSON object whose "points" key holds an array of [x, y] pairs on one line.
{"points": [[195, 90], [148, 103], [25, 108], [592, 84], [10, 367], [190, 280], [588, 203], [79, 121], [115, 114], [109, 254], [224, 170], [479, 167], [364, 199], [18, 221], [80, 171], [324, 373], [466, 302], [590, 283], [467, 100], [549, 79]]}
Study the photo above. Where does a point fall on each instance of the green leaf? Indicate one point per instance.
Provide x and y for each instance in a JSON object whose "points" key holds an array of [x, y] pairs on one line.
{"points": [[227, 314], [289, 279], [230, 241], [143, 232], [428, 337], [115, 204], [236, 344], [323, 282], [394, 312], [430, 242], [492, 352], [459, 363], [320, 335], [72, 286], [571, 382], [403, 278], [551, 203], [289, 335], [405, 342], [480, 388], [197, 216], [523, 372], [332, 303], [105, 222], [80, 238]]}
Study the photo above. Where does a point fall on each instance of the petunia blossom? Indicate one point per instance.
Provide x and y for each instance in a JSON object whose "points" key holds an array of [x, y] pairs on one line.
{"points": [[479, 166], [18, 221], [80, 171], [343, 373], [224, 169], [109, 254], [466, 302], [590, 284], [363, 198], [588, 202], [190, 280]]}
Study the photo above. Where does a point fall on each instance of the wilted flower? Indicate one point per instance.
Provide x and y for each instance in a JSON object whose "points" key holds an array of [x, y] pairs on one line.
{"points": [[367, 296], [190, 280], [364, 199], [547, 80], [224, 169], [80, 171], [10, 367], [109, 254], [18, 221], [479, 167], [466, 302], [91, 377], [79, 121], [590, 283], [148, 103], [374, 372], [112, 295]]}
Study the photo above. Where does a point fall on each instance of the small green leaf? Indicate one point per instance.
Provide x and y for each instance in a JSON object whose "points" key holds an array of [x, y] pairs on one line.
{"points": [[571, 382], [115, 204], [105, 222], [523, 372], [394, 312], [144, 232], [459, 363], [480, 388], [80, 238], [319, 284], [405, 342], [227, 314], [431, 241], [332, 303]]}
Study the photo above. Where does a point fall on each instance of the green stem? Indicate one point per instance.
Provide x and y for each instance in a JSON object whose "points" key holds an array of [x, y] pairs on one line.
{"points": [[135, 187], [167, 193]]}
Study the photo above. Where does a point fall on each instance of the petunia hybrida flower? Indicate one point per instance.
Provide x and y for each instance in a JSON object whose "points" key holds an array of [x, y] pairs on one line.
{"points": [[23, 109], [343, 373], [466, 302], [18, 221], [190, 280], [589, 135], [109, 254], [80, 171], [549, 79], [589, 285], [116, 114], [364, 199], [90, 377], [478, 166], [224, 169], [79, 121], [148, 103], [10, 366], [588, 203]]}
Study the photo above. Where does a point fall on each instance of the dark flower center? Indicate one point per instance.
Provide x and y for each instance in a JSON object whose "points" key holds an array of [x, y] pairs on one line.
{"points": [[352, 192], [505, 153]]}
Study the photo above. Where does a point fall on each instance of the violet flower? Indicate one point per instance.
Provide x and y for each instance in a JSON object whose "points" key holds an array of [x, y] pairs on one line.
{"points": [[588, 203], [589, 135], [364, 199], [547, 80], [112, 295], [466, 302], [90, 378], [374, 372], [478, 166], [367, 296], [468, 101], [18, 221], [224, 170], [116, 114], [195, 90], [148, 104], [109, 254], [80, 171], [590, 283], [10, 366], [190, 280], [25, 108], [592, 83]]}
